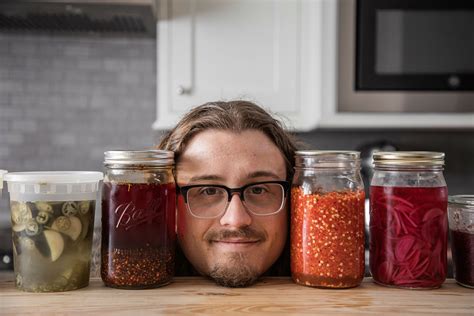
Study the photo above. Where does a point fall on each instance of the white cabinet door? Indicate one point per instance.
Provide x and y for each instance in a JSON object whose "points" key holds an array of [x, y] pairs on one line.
{"points": [[266, 51]]}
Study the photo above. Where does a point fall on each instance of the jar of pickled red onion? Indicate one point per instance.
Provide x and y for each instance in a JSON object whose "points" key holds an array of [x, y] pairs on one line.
{"points": [[408, 220]]}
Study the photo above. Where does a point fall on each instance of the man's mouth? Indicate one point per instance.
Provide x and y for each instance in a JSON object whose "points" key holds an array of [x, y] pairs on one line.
{"points": [[235, 244], [236, 241]]}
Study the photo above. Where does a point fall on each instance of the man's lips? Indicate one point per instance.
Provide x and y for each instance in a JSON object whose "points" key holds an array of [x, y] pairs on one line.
{"points": [[236, 241]]}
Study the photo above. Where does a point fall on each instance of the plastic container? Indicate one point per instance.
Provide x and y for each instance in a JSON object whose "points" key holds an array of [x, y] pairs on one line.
{"points": [[327, 219], [2, 174], [408, 220], [138, 219], [461, 227], [52, 215]]}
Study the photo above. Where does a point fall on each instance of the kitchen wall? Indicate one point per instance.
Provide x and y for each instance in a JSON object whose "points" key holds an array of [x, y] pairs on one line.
{"points": [[64, 100]]}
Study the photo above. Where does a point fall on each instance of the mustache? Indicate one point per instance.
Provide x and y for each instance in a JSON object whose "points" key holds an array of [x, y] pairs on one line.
{"points": [[246, 232]]}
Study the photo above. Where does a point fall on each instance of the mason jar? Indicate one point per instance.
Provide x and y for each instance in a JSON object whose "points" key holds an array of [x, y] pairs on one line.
{"points": [[461, 228], [138, 219], [408, 222], [327, 219]]}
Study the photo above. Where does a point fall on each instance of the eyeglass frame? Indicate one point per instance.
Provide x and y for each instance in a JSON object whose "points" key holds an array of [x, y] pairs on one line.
{"points": [[183, 190]]}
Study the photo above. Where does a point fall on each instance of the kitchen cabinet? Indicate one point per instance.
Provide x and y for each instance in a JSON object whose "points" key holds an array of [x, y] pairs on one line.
{"points": [[293, 57], [279, 54]]}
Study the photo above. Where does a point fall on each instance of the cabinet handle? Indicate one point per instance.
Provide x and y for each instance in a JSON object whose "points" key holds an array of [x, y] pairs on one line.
{"points": [[180, 90]]}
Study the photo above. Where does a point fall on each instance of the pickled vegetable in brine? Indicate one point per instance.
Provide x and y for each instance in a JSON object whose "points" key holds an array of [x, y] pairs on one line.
{"points": [[138, 234], [52, 244], [327, 238], [462, 246], [408, 236]]}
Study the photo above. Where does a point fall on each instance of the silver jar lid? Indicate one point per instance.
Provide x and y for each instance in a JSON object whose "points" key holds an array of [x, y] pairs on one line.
{"points": [[408, 158], [465, 201], [139, 157], [327, 159]]}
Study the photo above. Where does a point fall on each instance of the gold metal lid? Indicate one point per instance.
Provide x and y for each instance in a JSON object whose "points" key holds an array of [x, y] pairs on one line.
{"points": [[408, 158], [139, 157]]}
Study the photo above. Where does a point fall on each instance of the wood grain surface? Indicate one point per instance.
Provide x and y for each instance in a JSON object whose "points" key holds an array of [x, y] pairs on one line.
{"points": [[268, 296]]}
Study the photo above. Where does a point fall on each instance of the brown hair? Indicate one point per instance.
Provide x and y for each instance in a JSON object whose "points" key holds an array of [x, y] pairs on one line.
{"points": [[235, 116]]}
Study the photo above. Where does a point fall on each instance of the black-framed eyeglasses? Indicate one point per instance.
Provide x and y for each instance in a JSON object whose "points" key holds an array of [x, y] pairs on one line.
{"points": [[211, 200]]}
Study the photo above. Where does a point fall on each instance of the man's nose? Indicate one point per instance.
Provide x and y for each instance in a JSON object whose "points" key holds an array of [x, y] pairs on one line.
{"points": [[236, 214]]}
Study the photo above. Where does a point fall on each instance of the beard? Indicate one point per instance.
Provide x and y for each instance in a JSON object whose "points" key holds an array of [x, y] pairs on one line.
{"points": [[235, 272]]}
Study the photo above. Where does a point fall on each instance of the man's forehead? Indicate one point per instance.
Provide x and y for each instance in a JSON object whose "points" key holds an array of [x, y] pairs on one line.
{"points": [[223, 156]]}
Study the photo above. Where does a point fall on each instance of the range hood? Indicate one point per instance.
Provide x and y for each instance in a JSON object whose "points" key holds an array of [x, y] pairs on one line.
{"points": [[105, 17]]}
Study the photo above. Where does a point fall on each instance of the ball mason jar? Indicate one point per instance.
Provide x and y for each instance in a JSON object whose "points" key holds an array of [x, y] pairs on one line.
{"points": [[461, 228], [138, 219], [408, 223], [327, 219]]}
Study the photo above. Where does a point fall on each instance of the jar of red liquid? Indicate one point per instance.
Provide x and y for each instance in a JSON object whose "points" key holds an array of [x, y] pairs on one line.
{"points": [[327, 219], [408, 222], [461, 228], [138, 219]]}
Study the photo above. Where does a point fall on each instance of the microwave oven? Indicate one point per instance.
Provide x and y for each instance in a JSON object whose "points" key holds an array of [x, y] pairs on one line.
{"points": [[408, 57]]}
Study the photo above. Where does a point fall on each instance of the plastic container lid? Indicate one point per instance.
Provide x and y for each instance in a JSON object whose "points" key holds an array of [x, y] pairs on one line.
{"points": [[2, 172], [53, 185], [54, 177]]}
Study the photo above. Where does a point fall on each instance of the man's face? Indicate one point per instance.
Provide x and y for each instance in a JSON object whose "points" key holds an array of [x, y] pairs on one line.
{"points": [[238, 246]]}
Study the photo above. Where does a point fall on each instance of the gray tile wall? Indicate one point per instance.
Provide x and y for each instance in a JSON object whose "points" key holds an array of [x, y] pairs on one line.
{"points": [[65, 100]]}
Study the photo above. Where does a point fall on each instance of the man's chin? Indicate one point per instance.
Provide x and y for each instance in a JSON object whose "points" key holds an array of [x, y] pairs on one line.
{"points": [[235, 271]]}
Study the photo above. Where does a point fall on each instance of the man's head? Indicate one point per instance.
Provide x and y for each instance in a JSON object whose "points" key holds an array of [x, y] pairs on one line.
{"points": [[233, 236]]}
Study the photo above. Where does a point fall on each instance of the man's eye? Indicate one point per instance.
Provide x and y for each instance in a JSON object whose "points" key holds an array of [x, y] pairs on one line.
{"points": [[258, 190], [208, 191]]}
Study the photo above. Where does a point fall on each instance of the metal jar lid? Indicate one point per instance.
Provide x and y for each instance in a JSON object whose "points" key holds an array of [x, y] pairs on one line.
{"points": [[408, 159], [139, 157], [327, 159]]}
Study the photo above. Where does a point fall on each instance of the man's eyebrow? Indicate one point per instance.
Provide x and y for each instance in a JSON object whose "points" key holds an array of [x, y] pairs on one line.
{"points": [[263, 173], [206, 177]]}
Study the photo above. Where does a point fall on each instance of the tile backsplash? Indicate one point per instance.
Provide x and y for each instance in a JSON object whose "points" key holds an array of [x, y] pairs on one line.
{"points": [[65, 100]]}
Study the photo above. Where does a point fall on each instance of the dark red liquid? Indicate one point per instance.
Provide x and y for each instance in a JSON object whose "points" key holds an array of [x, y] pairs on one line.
{"points": [[138, 234], [462, 246], [408, 236]]}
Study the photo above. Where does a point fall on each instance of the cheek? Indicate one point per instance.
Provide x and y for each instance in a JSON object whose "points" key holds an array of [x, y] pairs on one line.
{"points": [[190, 230], [277, 230], [181, 217]]}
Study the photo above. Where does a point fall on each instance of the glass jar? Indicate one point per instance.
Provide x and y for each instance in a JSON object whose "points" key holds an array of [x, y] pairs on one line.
{"points": [[408, 223], [327, 219], [461, 227], [138, 219]]}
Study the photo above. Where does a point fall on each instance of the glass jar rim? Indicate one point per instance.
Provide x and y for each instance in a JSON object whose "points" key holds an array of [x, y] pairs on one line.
{"points": [[465, 200], [327, 159], [340, 154]]}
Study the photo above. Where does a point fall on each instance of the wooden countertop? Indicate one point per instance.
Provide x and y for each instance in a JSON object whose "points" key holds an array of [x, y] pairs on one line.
{"points": [[269, 296]]}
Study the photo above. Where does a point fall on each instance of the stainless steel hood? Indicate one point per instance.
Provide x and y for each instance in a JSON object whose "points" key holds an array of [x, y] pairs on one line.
{"points": [[105, 17]]}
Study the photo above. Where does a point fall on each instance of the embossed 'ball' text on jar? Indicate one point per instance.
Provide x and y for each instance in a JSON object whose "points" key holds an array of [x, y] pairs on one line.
{"points": [[408, 220], [138, 219], [327, 219]]}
